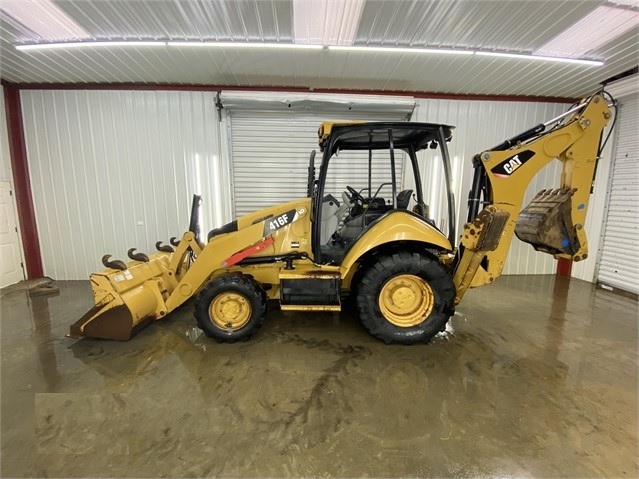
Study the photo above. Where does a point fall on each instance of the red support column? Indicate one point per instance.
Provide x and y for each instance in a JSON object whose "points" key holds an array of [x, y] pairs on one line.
{"points": [[564, 267], [22, 183]]}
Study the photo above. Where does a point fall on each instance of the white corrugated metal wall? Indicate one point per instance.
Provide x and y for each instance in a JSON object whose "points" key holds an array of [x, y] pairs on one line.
{"points": [[111, 170], [619, 257], [480, 125]]}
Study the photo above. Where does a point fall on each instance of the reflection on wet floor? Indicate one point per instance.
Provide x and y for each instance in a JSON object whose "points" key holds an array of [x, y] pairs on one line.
{"points": [[537, 377]]}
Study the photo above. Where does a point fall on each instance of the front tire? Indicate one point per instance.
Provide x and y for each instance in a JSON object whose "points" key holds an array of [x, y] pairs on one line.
{"points": [[230, 308], [405, 298]]}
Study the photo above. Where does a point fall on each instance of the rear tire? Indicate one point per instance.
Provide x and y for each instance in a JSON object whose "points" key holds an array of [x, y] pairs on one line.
{"points": [[405, 298], [230, 308]]}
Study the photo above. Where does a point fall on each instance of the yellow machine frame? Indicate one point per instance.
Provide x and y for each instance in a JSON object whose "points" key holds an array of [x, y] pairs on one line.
{"points": [[128, 296]]}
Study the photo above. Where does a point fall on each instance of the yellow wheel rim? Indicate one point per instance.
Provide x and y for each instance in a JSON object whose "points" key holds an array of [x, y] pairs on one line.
{"points": [[230, 311], [406, 300]]}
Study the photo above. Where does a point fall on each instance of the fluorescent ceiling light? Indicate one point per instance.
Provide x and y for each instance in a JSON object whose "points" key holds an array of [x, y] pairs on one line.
{"points": [[541, 57], [50, 46], [326, 22], [400, 50], [448, 51], [603, 24], [244, 45], [44, 18], [294, 46]]}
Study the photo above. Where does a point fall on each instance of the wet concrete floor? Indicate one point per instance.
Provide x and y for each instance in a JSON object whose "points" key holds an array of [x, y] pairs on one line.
{"points": [[538, 379]]}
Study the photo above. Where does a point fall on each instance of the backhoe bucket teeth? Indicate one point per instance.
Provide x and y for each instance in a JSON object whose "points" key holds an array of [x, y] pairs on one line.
{"points": [[546, 223], [127, 300]]}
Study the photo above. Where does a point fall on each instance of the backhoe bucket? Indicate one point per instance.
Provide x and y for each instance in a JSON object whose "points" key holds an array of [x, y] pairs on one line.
{"points": [[546, 223], [128, 298]]}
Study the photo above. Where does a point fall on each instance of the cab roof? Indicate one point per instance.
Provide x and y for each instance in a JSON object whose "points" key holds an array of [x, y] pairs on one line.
{"points": [[359, 135]]}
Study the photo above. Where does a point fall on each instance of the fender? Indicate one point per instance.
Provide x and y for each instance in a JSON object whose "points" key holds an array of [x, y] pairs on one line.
{"points": [[399, 225]]}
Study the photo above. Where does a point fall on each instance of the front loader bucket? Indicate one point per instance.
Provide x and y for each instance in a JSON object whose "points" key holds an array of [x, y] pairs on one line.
{"points": [[126, 300], [108, 322], [546, 223]]}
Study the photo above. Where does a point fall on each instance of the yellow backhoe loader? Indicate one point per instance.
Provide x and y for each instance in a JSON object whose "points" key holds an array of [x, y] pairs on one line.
{"points": [[379, 244]]}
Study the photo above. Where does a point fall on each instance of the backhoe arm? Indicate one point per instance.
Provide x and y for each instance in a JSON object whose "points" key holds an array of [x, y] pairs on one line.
{"points": [[554, 221]]}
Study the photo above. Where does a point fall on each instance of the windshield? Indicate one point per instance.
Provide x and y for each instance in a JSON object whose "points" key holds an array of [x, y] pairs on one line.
{"points": [[352, 168]]}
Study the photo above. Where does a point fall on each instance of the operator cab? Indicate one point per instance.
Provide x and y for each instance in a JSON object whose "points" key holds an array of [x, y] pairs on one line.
{"points": [[370, 170]]}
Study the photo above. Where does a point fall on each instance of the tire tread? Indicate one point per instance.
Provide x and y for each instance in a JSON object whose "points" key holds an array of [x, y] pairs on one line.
{"points": [[237, 282], [424, 265]]}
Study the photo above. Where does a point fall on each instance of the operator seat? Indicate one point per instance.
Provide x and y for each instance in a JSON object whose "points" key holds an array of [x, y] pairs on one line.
{"points": [[403, 198]]}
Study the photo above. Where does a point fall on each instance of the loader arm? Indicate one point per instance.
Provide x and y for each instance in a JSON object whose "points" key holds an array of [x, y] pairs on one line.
{"points": [[211, 259], [129, 296], [554, 221], [256, 234]]}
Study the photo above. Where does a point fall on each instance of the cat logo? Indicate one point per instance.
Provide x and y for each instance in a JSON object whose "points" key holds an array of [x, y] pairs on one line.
{"points": [[512, 164]]}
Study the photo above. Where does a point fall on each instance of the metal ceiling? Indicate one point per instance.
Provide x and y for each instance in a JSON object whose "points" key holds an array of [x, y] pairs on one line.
{"points": [[500, 25]]}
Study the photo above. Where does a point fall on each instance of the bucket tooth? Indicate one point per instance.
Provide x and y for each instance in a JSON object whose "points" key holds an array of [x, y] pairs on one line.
{"points": [[174, 241], [115, 264], [163, 248], [137, 256]]}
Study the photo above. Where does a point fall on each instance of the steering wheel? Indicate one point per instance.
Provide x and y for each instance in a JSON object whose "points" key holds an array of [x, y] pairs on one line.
{"points": [[355, 196]]}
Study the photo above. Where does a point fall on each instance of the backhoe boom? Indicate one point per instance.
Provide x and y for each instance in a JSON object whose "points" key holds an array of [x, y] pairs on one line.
{"points": [[554, 220]]}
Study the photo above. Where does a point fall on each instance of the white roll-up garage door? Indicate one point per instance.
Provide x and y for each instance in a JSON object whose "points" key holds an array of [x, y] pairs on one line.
{"points": [[271, 147], [619, 262]]}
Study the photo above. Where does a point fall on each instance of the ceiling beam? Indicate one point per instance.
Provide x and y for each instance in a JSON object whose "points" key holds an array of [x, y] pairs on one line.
{"points": [[216, 88]]}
